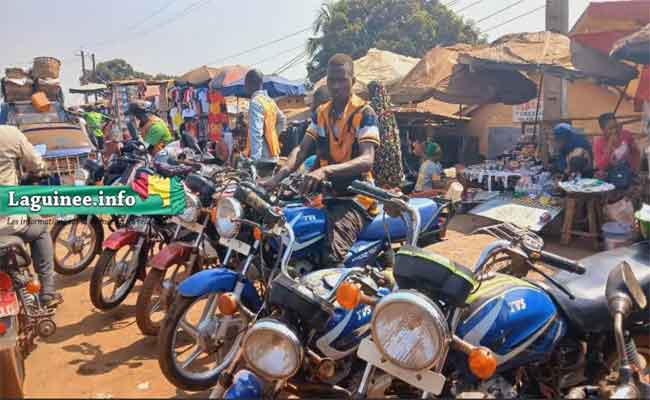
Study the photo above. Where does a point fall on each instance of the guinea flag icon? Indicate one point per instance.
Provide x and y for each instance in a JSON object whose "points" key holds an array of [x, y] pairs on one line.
{"points": [[169, 190]]}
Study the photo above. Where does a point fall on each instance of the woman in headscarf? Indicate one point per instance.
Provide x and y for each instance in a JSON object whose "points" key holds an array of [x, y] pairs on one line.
{"points": [[574, 151]]}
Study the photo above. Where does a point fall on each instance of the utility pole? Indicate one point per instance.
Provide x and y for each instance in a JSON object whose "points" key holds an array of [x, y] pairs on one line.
{"points": [[554, 89], [83, 72]]}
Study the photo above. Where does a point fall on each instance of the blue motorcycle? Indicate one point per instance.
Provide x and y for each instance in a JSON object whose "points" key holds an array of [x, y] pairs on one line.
{"points": [[216, 336], [453, 331]]}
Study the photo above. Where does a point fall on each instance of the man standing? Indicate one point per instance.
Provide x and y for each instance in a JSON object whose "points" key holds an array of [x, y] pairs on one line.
{"points": [[344, 135], [15, 150], [154, 131], [95, 125], [265, 120]]}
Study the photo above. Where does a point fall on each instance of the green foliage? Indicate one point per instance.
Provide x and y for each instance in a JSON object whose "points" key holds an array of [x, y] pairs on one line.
{"points": [[408, 27], [118, 69]]}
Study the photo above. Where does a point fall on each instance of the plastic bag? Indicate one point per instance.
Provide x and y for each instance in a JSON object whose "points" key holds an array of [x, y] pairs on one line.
{"points": [[622, 211]]}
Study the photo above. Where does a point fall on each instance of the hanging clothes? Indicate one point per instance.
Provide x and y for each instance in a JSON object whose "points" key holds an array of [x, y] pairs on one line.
{"points": [[202, 97], [217, 115], [176, 118]]}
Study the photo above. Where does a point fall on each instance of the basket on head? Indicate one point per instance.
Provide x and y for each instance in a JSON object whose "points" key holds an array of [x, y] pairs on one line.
{"points": [[17, 89], [16, 73], [46, 67]]}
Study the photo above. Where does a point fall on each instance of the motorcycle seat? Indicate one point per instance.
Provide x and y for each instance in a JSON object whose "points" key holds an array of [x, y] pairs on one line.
{"points": [[588, 312], [398, 229], [11, 241]]}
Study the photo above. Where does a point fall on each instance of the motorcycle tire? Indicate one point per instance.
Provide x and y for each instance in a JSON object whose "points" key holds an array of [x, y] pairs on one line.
{"points": [[152, 282], [12, 374], [166, 350], [96, 280], [96, 229]]}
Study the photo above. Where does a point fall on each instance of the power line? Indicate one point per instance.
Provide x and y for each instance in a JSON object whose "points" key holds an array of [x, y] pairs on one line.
{"points": [[276, 55], [294, 61], [259, 46], [515, 18], [451, 3], [140, 22], [176, 17], [500, 11], [469, 6]]}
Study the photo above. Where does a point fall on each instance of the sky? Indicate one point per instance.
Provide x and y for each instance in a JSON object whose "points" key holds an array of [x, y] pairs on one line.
{"points": [[175, 36]]}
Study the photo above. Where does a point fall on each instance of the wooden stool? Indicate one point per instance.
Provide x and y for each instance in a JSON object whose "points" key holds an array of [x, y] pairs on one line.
{"points": [[592, 203]]}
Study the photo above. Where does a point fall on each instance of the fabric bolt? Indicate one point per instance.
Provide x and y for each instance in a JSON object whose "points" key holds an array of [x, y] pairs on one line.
{"points": [[388, 170]]}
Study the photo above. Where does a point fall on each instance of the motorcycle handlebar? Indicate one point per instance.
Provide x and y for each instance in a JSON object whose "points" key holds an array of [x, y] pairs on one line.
{"points": [[257, 203], [562, 263]]}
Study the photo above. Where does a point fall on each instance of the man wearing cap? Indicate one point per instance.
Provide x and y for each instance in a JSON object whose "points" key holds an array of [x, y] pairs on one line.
{"points": [[154, 130]]}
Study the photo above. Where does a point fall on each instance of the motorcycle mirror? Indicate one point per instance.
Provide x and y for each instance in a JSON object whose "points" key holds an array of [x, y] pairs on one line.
{"points": [[188, 141], [623, 290]]}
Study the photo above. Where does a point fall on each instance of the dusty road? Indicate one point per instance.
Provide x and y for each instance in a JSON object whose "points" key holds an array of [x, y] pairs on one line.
{"points": [[101, 355]]}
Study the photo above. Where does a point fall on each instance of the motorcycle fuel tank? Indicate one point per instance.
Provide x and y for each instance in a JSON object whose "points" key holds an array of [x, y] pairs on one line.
{"points": [[309, 225], [515, 319]]}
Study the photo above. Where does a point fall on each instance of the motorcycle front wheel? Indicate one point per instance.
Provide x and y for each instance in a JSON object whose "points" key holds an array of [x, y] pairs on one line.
{"points": [[12, 374], [157, 294], [114, 276], [76, 243], [189, 357]]}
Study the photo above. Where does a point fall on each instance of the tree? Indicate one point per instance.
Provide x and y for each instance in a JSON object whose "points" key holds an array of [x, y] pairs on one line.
{"points": [[118, 69], [408, 27]]}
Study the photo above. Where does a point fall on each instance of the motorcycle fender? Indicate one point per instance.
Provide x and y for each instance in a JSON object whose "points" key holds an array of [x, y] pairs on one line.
{"points": [[245, 385], [10, 338], [172, 254], [219, 280], [121, 238]]}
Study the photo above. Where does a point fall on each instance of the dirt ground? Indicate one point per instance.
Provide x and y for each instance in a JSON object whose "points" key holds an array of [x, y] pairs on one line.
{"points": [[103, 355]]}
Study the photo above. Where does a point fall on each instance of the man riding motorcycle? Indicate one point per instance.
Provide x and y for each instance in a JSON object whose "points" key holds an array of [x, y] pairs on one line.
{"points": [[344, 135], [15, 151], [154, 131]]}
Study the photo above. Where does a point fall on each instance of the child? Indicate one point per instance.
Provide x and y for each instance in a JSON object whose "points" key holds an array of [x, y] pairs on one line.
{"points": [[430, 171]]}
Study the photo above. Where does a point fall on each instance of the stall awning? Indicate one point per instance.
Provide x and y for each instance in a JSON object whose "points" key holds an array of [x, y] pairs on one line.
{"points": [[635, 47], [89, 88]]}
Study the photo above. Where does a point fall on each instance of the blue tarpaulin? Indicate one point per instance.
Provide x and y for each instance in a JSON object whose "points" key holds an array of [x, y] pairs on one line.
{"points": [[276, 86]]}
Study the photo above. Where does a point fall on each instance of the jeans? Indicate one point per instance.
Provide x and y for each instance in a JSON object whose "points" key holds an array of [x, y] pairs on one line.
{"points": [[40, 242]]}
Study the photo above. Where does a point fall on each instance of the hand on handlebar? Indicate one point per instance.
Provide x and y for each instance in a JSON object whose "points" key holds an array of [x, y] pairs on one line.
{"points": [[313, 181]]}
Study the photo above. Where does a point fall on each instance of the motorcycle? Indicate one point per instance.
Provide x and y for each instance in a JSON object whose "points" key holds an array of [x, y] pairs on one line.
{"points": [[125, 252], [631, 380], [309, 224], [22, 317], [78, 239], [304, 340], [455, 331]]}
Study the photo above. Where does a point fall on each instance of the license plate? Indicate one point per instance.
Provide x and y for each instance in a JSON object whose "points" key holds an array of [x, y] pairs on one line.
{"points": [[427, 381], [8, 303], [237, 245], [190, 226]]}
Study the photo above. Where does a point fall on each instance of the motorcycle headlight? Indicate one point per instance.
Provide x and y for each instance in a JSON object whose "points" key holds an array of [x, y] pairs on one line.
{"points": [[272, 350], [192, 206], [228, 210], [410, 330], [81, 177]]}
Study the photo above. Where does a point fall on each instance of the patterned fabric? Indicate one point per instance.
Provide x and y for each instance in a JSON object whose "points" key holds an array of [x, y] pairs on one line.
{"points": [[388, 169]]}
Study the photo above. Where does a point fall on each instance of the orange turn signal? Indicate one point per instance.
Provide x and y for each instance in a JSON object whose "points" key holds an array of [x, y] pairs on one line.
{"points": [[33, 286], [3, 328], [482, 362], [5, 281], [257, 234], [213, 215], [348, 295], [227, 303]]}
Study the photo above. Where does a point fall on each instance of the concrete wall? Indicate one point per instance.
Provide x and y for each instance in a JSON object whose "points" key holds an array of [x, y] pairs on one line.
{"points": [[585, 100]]}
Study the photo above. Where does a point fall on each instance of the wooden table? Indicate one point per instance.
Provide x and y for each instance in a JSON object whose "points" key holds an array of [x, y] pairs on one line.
{"points": [[590, 203]]}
